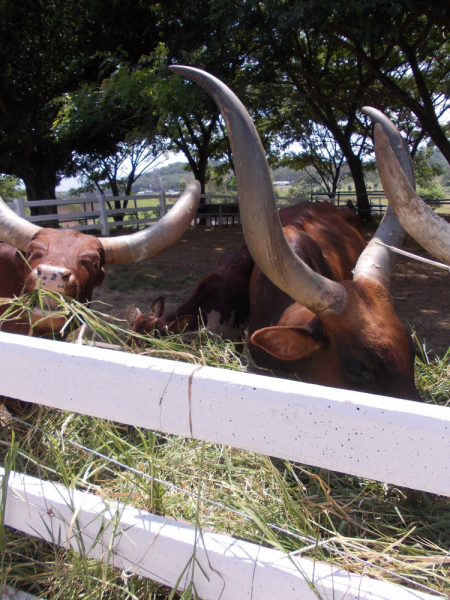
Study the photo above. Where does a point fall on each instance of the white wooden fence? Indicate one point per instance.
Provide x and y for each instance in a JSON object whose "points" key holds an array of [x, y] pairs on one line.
{"points": [[397, 441], [97, 215], [96, 211]]}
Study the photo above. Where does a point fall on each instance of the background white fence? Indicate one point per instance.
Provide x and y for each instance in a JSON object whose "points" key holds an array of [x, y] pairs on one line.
{"points": [[398, 441], [97, 214], [219, 209]]}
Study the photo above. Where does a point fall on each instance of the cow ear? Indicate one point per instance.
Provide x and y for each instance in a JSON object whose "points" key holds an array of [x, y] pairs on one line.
{"points": [[157, 308], [286, 343], [180, 324], [142, 324]]}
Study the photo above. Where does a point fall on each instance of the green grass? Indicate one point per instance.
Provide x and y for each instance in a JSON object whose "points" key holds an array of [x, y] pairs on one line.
{"points": [[353, 522]]}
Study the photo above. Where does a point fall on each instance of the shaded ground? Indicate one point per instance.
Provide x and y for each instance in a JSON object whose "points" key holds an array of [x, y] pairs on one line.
{"points": [[421, 293]]}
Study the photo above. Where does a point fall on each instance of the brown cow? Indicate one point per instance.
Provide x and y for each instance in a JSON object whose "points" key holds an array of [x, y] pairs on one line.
{"points": [[220, 302], [305, 319], [72, 263]]}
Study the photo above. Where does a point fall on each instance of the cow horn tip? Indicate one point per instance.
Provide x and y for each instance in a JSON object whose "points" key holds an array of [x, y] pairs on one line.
{"points": [[371, 111], [182, 69]]}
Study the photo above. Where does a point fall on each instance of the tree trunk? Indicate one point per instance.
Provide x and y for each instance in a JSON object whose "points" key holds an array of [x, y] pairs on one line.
{"points": [[41, 186], [356, 170], [362, 199]]}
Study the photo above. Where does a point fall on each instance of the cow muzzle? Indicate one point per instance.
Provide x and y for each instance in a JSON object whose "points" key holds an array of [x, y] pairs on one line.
{"points": [[52, 279]]}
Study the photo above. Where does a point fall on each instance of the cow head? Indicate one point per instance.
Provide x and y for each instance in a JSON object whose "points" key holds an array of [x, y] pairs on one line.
{"points": [[353, 338], [156, 323], [72, 263], [65, 261], [364, 348]]}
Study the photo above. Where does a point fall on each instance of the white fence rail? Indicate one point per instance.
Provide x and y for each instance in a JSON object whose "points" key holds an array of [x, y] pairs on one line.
{"points": [[397, 441], [96, 214], [159, 548]]}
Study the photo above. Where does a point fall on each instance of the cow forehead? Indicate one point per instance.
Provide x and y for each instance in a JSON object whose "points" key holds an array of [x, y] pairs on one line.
{"points": [[66, 242], [370, 311]]}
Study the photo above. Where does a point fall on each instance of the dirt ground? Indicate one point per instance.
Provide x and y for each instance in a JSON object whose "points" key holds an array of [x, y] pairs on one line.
{"points": [[421, 292]]}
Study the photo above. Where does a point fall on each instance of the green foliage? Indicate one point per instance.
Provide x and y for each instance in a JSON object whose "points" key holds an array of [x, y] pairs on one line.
{"points": [[171, 176], [425, 170], [101, 82], [47, 50], [322, 160], [446, 176], [433, 193], [144, 101], [9, 188]]}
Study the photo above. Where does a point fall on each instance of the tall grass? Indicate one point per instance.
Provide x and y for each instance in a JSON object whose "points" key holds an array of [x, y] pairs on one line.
{"points": [[362, 525]]}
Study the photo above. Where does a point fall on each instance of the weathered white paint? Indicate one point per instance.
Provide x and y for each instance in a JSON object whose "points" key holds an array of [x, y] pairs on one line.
{"points": [[397, 441], [159, 548], [8, 593]]}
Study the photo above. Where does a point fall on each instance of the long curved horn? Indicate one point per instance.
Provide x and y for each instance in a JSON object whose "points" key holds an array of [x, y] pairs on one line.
{"points": [[377, 262], [13, 229], [153, 240], [262, 228], [422, 223]]}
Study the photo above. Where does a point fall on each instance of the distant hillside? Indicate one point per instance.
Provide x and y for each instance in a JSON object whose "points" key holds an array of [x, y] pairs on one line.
{"points": [[171, 175], [437, 158], [169, 178]]}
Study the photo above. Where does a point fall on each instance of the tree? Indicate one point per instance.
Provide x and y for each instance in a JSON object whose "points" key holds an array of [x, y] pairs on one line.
{"points": [[144, 100], [290, 64], [321, 159], [403, 45], [117, 172], [332, 57], [9, 188], [48, 49]]}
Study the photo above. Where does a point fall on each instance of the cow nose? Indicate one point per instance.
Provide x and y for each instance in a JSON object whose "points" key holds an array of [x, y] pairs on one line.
{"points": [[53, 279]]}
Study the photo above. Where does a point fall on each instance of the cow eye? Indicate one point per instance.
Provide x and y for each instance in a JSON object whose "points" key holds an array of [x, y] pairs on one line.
{"points": [[95, 265], [360, 371]]}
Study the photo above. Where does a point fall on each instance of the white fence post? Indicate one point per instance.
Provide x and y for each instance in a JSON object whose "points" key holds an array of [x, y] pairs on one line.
{"points": [[208, 201], [162, 204], [19, 205], [103, 217]]}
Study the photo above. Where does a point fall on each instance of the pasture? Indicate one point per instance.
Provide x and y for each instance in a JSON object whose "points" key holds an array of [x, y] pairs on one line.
{"points": [[368, 527]]}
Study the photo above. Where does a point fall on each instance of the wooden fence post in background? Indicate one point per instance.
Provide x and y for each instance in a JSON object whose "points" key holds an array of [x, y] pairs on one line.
{"points": [[162, 204], [19, 207], [103, 217], [208, 201]]}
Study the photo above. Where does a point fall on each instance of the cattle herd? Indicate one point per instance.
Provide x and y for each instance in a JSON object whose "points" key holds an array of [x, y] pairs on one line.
{"points": [[311, 298]]}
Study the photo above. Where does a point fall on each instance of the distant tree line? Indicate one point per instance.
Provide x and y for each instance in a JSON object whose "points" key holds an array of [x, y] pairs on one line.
{"points": [[83, 83]]}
